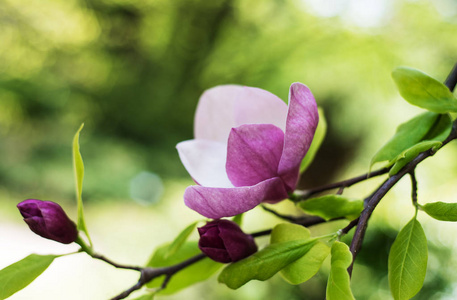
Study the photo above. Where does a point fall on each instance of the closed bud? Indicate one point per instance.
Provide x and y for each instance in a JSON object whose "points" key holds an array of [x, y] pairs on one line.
{"points": [[224, 241], [47, 219]]}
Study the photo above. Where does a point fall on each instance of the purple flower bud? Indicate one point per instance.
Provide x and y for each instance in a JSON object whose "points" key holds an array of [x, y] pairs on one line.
{"points": [[47, 219], [225, 242]]}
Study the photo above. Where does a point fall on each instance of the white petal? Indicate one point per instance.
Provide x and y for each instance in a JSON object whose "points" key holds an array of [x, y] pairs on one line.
{"points": [[205, 161], [227, 106], [215, 113], [257, 106]]}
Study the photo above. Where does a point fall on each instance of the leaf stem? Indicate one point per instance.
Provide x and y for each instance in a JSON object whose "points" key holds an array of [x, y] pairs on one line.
{"points": [[84, 247]]}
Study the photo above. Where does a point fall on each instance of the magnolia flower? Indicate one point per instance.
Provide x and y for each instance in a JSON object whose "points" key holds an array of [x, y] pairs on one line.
{"points": [[224, 241], [48, 219], [247, 149]]}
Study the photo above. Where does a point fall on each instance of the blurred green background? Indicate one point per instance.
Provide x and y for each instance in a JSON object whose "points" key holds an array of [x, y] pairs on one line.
{"points": [[133, 71]]}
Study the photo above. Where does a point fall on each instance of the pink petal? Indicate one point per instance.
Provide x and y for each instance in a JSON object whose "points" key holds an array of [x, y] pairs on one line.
{"points": [[216, 203], [253, 153], [301, 124], [205, 162], [224, 107]]}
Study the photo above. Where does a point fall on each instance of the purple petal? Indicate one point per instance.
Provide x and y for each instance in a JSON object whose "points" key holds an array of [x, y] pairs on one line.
{"points": [[29, 208], [224, 107], [253, 153], [238, 244], [215, 203], [48, 220], [205, 162], [219, 255], [301, 124], [210, 238]]}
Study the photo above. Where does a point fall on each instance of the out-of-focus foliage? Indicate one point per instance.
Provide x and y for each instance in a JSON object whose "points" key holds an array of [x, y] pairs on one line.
{"points": [[133, 70]]}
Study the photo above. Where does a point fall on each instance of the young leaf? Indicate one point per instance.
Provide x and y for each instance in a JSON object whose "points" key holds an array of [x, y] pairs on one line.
{"points": [[441, 211], [265, 263], [440, 130], [424, 91], [180, 240], [318, 138], [309, 264], [196, 272], [408, 261], [408, 155], [20, 274], [332, 206], [407, 135], [78, 167], [338, 284], [285, 232]]}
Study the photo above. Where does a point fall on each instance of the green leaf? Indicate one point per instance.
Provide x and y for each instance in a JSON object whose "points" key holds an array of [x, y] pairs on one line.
{"points": [[20, 274], [332, 206], [192, 274], [441, 211], [309, 264], [408, 155], [238, 219], [78, 167], [408, 261], [265, 263], [440, 130], [424, 91], [318, 138], [338, 285], [407, 135], [285, 232], [180, 240]]}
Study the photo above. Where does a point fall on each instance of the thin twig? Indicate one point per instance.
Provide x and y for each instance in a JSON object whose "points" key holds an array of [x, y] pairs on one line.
{"points": [[119, 266], [413, 187], [148, 274], [127, 292], [351, 225], [340, 190], [451, 79], [290, 218], [302, 195]]}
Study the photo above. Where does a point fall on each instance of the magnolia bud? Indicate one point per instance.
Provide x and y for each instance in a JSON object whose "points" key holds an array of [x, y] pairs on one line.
{"points": [[47, 219], [224, 241]]}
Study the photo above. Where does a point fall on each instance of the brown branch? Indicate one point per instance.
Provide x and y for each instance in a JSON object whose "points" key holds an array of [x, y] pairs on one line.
{"points": [[148, 273], [340, 185], [289, 218], [351, 225], [413, 187], [374, 200], [451, 79], [119, 266]]}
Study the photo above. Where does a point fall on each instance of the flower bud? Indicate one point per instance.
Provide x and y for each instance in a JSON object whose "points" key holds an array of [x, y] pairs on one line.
{"points": [[47, 219], [224, 241]]}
